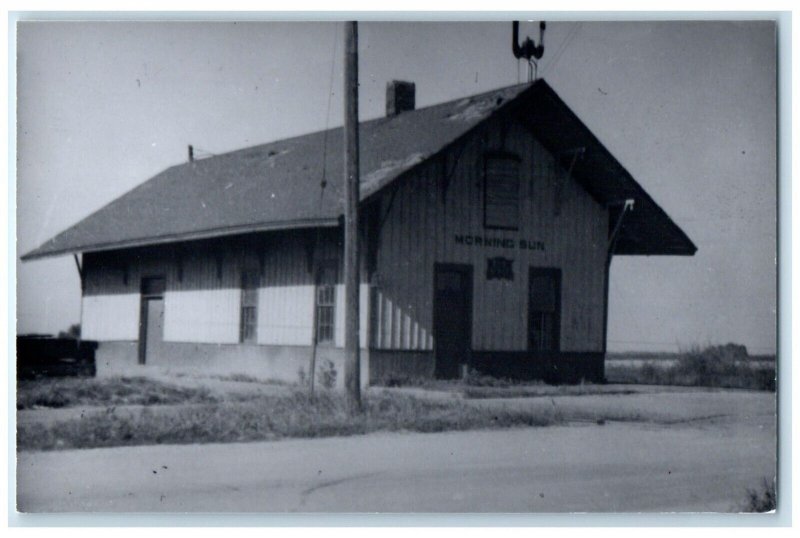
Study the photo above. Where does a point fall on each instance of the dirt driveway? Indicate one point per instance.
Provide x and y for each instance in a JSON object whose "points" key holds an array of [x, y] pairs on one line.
{"points": [[665, 406], [689, 465], [655, 449]]}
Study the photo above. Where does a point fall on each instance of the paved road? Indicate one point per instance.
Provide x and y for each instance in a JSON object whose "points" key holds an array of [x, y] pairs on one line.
{"points": [[701, 465]]}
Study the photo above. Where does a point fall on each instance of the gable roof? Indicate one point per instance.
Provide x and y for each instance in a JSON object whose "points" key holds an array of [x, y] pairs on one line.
{"points": [[279, 185]]}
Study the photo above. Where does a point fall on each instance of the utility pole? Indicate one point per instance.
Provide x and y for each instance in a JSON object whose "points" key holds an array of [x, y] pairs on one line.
{"points": [[352, 366]]}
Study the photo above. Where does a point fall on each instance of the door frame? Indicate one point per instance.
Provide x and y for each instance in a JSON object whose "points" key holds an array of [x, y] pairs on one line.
{"points": [[467, 270], [556, 273], [145, 298]]}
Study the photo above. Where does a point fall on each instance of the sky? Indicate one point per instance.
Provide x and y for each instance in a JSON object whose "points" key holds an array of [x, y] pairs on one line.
{"points": [[689, 108]]}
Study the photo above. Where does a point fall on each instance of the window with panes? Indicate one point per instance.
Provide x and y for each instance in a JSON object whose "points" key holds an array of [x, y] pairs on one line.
{"points": [[326, 303], [544, 309], [249, 311]]}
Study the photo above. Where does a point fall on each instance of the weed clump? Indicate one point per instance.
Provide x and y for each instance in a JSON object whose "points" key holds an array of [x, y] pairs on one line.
{"points": [[763, 499], [327, 374]]}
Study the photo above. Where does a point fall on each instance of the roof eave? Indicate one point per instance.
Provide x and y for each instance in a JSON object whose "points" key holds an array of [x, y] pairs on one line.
{"points": [[44, 252], [685, 246]]}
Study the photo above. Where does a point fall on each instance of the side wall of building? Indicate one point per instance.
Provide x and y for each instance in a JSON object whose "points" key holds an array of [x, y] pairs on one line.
{"points": [[202, 304]]}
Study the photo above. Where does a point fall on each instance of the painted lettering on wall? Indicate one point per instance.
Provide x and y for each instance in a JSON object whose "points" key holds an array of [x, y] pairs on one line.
{"points": [[498, 242], [499, 268]]}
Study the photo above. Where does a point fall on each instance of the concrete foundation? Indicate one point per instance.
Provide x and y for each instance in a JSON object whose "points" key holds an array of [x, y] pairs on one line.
{"points": [[387, 366], [291, 363], [280, 363], [563, 367]]}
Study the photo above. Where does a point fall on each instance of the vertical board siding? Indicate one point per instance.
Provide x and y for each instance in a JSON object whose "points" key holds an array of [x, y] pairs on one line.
{"points": [[202, 298], [285, 315], [420, 230], [286, 302], [202, 301], [397, 329], [110, 305], [363, 315], [202, 316], [110, 317]]}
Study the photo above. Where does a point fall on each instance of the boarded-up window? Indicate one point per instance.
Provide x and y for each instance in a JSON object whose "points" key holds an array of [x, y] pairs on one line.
{"points": [[249, 313], [326, 303], [544, 316], [501, 192]]}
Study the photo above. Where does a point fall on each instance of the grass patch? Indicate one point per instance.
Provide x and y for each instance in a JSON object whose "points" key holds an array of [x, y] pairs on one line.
{"points": [[473, 379], [239, 378], [762, 499], [479, 386], [267, 417], [246, 378], [727, 366], [533, 391], [71, 392], [400, 380]]}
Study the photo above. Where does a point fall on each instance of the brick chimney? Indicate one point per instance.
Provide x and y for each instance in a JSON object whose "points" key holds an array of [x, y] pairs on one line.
{"points": [[400, 97]]}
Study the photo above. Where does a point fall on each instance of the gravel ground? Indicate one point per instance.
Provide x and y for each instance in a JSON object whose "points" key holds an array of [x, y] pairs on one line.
{"points": [[616, 467]]}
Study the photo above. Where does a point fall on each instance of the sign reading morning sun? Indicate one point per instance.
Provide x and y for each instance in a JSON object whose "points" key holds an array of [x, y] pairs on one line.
{"points": [[498, 242]]}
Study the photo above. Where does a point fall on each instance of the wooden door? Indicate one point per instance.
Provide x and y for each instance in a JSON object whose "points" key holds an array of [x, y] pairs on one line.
{"points": [[452, 318], [151, 319], [544, 309]]}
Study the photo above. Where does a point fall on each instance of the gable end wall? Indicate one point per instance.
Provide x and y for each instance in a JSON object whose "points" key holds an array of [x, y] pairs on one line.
{"points": [[423, 222]]}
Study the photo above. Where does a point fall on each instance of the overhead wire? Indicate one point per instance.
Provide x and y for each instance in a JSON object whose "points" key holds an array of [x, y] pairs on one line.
{"points": [[573, 32], [561, 48], [328, 113]]}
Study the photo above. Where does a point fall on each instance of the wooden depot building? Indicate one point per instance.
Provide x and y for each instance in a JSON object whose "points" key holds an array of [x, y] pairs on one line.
{"points": [[489, 224]]}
